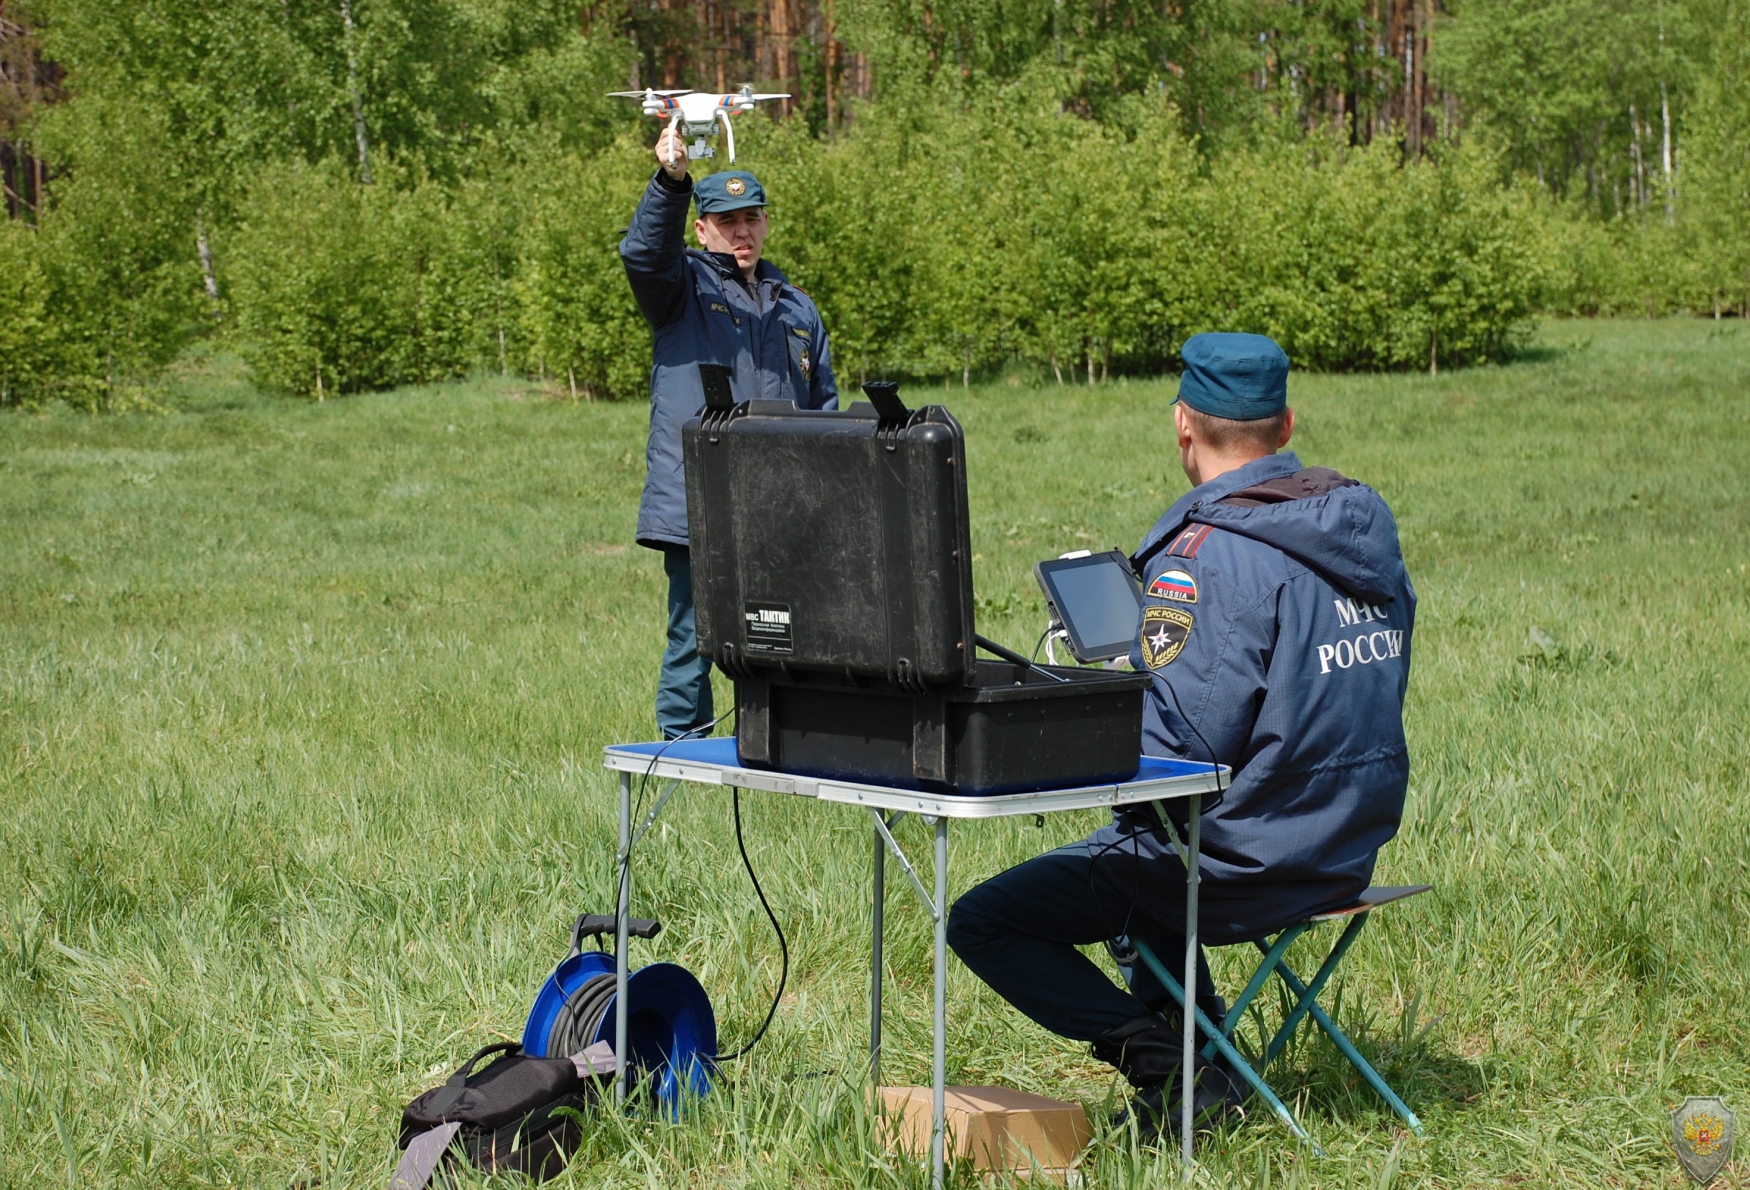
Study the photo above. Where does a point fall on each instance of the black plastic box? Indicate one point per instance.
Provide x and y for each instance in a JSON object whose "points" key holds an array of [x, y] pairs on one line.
{"points": [[1013, 729], [832, 543]]}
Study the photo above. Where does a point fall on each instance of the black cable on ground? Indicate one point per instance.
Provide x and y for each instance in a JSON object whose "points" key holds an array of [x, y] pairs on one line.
{"points": [[783, 946]]}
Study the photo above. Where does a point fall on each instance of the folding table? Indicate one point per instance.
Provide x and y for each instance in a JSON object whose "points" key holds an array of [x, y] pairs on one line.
{"points": [[714, 762]]}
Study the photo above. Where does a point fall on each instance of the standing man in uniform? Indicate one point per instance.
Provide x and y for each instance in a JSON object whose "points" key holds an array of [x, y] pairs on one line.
{"points": [[722, 305], [1276, 626]]}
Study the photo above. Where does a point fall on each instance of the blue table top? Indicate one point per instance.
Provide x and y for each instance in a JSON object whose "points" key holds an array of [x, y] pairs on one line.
{"points": [[720, 751]]}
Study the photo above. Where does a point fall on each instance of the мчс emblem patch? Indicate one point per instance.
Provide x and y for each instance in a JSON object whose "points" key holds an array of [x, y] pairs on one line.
{"points": [[1164, 633], [735, 186], [1702, 1132], [1174, 584]]}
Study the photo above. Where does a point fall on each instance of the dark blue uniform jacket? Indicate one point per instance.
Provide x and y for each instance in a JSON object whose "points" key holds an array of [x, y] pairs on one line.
{"points": [[701, 311], [1277, 621]]}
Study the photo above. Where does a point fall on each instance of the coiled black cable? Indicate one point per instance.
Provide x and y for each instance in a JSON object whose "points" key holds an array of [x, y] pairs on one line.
{"points": [[580, 1016]]}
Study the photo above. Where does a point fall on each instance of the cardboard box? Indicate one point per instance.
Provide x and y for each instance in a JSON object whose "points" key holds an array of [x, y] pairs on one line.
{"points": [[996, 1128]]}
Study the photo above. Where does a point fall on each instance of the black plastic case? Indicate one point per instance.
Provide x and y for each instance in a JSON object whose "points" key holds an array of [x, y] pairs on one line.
{"points": [[832, 543], [1012, 730], [832, 579]]}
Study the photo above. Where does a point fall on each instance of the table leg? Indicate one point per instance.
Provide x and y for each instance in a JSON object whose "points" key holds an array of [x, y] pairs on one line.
{"points": [[1187, 1013], [939, 1068], [623, 911], [878, 915]]}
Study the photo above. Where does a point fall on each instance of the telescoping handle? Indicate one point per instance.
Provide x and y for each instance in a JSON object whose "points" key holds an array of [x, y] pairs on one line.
{"points": [[596, 925], [884, 395]]}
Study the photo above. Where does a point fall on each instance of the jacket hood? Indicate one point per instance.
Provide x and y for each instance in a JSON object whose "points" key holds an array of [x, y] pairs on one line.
{"points": [[1347, 535]]}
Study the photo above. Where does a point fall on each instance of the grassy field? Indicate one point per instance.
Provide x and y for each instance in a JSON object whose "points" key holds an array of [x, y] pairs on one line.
{"points": [[300, 717]]}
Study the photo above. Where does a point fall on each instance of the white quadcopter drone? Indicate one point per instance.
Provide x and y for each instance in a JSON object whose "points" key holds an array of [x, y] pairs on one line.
{"points": [[698, 113]]}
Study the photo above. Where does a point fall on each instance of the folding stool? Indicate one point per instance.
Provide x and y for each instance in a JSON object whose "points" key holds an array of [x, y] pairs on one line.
{"points": [[1306, 1004]]}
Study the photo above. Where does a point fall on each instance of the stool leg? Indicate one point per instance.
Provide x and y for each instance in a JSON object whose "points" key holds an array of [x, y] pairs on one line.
{"points": [[1275, 951], [1223, 1047], [1310, 994], [1348, 1050]]}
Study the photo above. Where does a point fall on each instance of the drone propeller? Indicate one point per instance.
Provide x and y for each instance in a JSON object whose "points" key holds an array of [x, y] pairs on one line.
{"points": [[643, 93]]}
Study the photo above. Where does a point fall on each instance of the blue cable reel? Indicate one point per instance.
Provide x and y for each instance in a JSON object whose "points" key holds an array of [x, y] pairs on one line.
{"points": [[670, 1028]]}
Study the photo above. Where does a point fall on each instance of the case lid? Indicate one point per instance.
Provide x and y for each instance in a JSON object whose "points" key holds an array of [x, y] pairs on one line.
{"points": [[832, 541]]}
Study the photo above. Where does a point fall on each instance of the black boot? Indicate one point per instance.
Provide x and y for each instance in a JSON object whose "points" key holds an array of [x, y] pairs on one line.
{"points": [[1156, 1109], [1147, 1050]]}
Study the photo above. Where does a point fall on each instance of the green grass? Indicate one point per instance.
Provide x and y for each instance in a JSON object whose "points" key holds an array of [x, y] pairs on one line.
{"points": [[301, 709]]}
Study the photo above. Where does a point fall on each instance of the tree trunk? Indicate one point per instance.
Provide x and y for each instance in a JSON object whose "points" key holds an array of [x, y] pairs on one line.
{"points": [[1638, 160], [783, 48], [832, 64], [358, 103], [1670, 182], [206, 257]]}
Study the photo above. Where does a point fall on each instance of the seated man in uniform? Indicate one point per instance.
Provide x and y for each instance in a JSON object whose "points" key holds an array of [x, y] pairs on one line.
{"points": [[1277, 627]]}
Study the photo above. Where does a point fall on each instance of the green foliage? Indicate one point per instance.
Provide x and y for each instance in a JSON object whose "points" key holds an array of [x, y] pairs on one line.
{"points": [[1015, 231], [109, 275], [343, 288], [1717, 168], [25, 356], [1575, 89], [1630, 266], [248, 81], [576, 311], [1353, 260]]}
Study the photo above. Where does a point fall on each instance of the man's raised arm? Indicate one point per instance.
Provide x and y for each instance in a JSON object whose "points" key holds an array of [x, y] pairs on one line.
{"points": [[654, 250]]}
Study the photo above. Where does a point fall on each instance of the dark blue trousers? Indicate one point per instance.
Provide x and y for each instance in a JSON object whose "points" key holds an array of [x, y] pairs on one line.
{"points": [[1019, 931], [683, 688]]}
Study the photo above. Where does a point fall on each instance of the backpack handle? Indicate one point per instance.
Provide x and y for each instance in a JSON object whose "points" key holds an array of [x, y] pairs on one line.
{"points": [[458, 1082]]}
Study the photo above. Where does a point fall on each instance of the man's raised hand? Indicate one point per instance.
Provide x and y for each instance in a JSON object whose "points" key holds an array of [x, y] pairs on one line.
{"points": [[671, 154]]}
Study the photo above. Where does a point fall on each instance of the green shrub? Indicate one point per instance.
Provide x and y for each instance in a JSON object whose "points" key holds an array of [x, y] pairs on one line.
{"points": [[107, 289], [26, 358], [343, 288], [1717, 171], [577, 318], [935, 243]]}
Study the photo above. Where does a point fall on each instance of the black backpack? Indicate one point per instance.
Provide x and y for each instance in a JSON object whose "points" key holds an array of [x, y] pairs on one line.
{"points": [[514, 1115]]}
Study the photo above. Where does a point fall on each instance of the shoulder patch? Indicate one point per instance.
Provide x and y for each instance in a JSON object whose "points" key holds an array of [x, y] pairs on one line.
{"points": [[1164, 633], [1177, 585], [1185, 545]]}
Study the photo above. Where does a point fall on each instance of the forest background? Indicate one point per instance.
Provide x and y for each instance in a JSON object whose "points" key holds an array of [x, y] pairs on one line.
{"points": [[363, 193]]}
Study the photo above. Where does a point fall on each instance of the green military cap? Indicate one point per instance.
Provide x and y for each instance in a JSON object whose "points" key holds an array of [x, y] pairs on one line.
{"points": [[1242, 377], [730, 190]]}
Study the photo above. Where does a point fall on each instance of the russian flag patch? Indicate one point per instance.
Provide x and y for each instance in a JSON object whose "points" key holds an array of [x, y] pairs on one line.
{"points": [[1176, 585]]}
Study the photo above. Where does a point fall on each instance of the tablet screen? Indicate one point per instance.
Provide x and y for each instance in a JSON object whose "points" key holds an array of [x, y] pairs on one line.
{"points": [[1098, 600]]}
